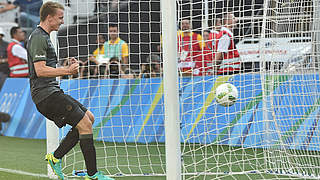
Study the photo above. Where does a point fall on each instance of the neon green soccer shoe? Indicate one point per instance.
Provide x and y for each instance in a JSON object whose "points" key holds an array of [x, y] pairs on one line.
{"points": [[98, 176], [55, 165]]}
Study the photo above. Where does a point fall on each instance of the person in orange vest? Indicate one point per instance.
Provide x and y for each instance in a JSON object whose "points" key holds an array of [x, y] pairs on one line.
{"points": [[17, 54], [227, 59], [189, 49]]}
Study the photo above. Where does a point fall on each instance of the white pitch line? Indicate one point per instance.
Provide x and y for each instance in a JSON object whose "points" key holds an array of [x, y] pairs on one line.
{"points": [[22, 172]]}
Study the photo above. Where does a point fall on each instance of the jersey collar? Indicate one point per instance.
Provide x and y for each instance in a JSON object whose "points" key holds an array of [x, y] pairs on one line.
{"points": [[116, 42], [43, 30], [14, 40], [182, 33]]}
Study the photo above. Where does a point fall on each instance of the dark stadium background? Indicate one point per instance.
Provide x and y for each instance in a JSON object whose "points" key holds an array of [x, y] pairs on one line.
{"points": [[139, 25]]}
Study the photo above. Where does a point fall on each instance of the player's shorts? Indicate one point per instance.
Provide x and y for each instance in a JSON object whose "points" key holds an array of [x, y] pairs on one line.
{"points": [[62, 109]]}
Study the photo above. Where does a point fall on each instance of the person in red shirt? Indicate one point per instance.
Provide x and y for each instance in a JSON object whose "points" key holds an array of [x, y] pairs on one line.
{"points": [[17, 54], [227, 59], [189, 49]]}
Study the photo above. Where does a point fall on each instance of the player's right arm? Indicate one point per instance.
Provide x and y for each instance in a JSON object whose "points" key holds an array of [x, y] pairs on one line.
{"points": [[42, 70], [37, 49]]}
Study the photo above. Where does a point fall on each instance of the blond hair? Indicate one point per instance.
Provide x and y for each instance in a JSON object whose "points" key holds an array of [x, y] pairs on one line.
{"points": [[49, 8]]}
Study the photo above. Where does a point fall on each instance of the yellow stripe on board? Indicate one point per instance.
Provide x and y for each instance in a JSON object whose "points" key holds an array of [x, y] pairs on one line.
{"points": [[220, 80], [153, 106]]}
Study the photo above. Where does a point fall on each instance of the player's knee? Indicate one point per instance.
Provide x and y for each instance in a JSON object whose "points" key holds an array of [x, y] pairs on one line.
{"points": [[90, 115], [85, 125]]}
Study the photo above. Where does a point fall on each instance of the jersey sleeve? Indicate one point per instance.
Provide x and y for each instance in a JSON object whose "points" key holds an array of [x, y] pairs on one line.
{"points": [[19, 51], [98, 52], [38, 49], [125, 51], [95, 53]]}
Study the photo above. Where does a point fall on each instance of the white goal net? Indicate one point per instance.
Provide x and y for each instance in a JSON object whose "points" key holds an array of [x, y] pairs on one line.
{"points": [[268, 49]]}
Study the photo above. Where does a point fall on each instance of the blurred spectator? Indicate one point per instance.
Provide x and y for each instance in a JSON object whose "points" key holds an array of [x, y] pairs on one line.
{"points": [[227, 59], [204, 66], [4, 67], [29, 11], [116, 47], [17, 55], [189, 48], [90, 67], [24, 42], [215, 31], [99, 52], [128, 74], [152, 67], [114, 70], [4, 117]]}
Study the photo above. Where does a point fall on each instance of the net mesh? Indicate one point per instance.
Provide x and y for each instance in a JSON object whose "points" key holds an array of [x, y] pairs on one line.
{"points": [[271, 132]]}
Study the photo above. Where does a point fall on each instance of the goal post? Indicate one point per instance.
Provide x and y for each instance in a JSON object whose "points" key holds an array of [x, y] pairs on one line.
{"points": [[316, 34], [171, 89]]}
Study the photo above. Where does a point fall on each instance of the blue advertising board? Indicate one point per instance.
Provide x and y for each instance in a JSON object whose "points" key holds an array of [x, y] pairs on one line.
{"points": [[132, 110]]}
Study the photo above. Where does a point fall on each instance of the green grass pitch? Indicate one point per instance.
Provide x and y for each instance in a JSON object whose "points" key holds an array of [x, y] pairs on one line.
{"points": [[23, 159]]}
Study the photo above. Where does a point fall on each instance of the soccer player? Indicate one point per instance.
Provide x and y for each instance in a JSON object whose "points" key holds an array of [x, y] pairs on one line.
{"points": [[50, 99]]}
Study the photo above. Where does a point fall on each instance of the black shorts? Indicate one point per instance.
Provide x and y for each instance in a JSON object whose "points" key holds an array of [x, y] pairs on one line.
{"points": [[62, 109]]}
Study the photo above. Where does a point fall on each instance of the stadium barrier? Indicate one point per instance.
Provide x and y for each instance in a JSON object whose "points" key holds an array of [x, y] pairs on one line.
{"points": [[131, 110]]}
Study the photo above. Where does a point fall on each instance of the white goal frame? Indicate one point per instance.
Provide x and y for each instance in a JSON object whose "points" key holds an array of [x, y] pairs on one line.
{"points": [[171, 89]]}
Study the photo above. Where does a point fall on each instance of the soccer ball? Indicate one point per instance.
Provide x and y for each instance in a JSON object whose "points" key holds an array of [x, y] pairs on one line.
{"points": [[226, 94]]}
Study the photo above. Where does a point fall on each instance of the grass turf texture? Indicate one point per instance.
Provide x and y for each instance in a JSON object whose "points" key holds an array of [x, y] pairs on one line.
{"points": [[27, 155]]}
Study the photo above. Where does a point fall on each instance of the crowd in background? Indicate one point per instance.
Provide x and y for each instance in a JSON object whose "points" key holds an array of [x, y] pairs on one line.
{"points": [[212, 52], [13, 55], [110, 59], [28, 11]]}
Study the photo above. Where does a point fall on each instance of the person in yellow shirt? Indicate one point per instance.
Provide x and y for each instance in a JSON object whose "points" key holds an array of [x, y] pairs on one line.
{"points": [[89, 68], [100, 50], [116, 47]]}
